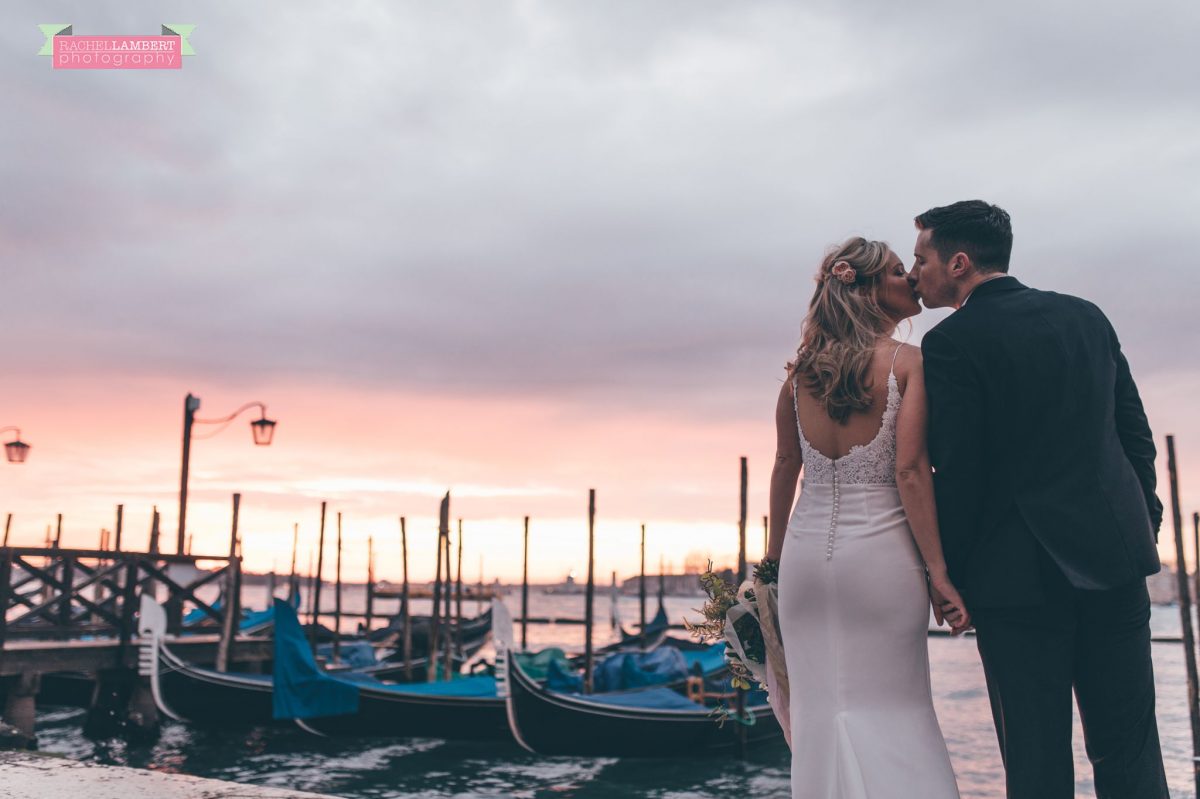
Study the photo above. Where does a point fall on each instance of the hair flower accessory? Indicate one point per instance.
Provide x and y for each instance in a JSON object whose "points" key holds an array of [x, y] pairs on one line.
{"points": [[844, 272]]}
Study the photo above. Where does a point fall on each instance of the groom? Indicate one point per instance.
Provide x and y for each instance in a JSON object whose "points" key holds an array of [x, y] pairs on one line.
{"points": [[1044, 473]]}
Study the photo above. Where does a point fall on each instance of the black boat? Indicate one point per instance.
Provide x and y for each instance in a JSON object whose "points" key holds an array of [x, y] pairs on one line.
{"points": [[190, 693], [649, 637], [650, 722]]}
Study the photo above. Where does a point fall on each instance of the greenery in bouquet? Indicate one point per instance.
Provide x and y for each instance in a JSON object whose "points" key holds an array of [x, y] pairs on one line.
{"points": [[722, 596]]}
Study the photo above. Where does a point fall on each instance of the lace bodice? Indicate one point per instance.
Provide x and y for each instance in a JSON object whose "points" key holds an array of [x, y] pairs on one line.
{"points": [[873, 463]]}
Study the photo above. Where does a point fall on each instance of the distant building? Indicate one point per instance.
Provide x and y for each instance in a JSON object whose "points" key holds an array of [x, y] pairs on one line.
{"points": [[673, 584]]}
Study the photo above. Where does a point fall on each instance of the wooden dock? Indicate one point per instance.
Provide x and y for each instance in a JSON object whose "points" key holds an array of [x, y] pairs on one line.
{"points": [[74, 612]]}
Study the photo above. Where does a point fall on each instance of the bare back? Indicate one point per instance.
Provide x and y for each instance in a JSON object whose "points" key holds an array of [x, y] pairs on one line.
{"points": [[835, 440]]}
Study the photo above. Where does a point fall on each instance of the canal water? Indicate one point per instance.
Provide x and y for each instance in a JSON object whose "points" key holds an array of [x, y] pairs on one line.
{"points": [[435, 768]]}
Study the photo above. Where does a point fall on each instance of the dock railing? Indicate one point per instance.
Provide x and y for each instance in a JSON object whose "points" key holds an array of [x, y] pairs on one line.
{"points": [[64, 594]]}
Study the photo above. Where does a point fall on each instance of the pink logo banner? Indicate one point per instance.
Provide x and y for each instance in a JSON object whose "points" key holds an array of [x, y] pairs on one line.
{"points": [[117, 52]]}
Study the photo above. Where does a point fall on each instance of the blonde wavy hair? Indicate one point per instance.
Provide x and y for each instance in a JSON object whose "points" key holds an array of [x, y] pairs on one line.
{"points": [[844, 320]]}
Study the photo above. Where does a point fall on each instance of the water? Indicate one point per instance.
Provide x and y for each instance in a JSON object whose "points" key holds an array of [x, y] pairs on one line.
{"points": [[284, 757]]}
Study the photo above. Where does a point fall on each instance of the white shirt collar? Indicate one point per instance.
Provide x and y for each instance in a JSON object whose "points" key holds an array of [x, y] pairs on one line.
{"points": [[977, 285]]}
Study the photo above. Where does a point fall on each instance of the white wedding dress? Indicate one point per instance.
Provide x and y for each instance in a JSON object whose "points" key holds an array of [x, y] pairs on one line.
{"points": [[854, 616]]}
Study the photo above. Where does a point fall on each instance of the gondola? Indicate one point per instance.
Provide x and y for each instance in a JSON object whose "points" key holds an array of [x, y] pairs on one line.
{"points": [[652, 722], [207, 697], [463, 708], [348, 704], [650, 636]]}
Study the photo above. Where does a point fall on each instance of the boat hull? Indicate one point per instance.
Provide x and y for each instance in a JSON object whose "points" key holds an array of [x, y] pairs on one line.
{"points": [[551, 723]]}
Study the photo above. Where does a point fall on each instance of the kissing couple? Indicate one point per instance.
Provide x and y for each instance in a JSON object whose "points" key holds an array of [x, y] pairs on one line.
{"points": [[1004, 473]]}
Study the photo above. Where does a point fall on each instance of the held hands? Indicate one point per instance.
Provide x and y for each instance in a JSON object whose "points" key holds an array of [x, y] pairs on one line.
{"points": [[947, 604]]}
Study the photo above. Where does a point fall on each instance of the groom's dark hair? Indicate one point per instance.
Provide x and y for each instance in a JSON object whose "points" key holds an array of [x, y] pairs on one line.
{"points": [[981, 230]]}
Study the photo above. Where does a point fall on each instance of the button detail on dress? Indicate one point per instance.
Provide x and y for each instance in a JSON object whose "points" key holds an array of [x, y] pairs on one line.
{"points": [[833, 517]]}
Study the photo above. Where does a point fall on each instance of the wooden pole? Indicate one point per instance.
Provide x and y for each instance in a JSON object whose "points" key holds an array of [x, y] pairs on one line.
{"points": [[1185, 613], [766, 536], [293, 580], [192, 536], [588, 655], [642, 585], [613, 621], [435, 620], [120, 525], [662, 581], [741, 573], [448, 649], [152, 548], [458, 639], [1196, 551], [58, 533], [229, 622], [309, 601], [404, 606], [271, 588], [370, 581], [316, 593], [740, 701], [479, 589], [337, 596], [525, 591], [7, 528]]}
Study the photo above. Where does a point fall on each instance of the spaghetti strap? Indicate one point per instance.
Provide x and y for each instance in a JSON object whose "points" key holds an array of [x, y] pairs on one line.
{"points": [[892, 370]]}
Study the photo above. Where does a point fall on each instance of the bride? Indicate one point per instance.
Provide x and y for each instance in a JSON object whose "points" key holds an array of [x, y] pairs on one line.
{"points": [[860, 559]]}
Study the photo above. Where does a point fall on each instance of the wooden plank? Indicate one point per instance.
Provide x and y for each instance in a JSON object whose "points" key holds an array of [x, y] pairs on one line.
{"points": [[51, 656]]}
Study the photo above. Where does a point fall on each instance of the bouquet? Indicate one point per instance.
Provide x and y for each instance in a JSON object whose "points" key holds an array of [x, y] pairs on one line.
{"points": [[747, 619]]}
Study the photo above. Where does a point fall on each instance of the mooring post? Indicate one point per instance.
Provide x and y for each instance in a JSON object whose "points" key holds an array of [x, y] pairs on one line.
{"points": [[642, 585], [525, 590], [120, 525], [1196, 551], [370, 582], [404, 606], [458, 585], [741, 576], [449, 648], [20, 713], [1185, 613], [741, 562], [316, 592], [337, 596], [435, 620], [293, 580], [229, 621], [588, 619]]}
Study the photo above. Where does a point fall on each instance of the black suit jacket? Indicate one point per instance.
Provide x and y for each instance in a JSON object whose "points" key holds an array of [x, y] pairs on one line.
{"points": [[1039, 445]]}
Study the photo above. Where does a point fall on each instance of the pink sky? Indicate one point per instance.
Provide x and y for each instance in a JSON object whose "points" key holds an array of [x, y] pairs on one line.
{"points": [[376, 455]]}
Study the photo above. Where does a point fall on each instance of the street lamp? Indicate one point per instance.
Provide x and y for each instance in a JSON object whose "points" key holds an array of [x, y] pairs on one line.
{"points": [[263, 429], [16, 450]]}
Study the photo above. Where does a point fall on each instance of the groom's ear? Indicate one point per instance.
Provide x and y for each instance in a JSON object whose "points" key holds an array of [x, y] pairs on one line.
{"points": [[959, 265]]}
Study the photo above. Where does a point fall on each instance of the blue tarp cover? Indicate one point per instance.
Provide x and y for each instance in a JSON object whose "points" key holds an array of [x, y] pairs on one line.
{"points": [[653, 698], [709, 660], [476, 685], [639, 669], [562, 679], [302, 690], [355, 654]]}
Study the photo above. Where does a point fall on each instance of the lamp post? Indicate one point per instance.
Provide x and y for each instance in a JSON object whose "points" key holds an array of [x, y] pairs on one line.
{"points": [[16, 450], [262, 429]]}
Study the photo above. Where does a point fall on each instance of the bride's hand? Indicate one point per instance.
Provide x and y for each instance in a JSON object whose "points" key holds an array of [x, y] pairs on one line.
{"points": [[948, 604]]}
